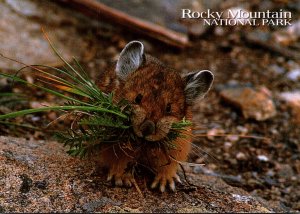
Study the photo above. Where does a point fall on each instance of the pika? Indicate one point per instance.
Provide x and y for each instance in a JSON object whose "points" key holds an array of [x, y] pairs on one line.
{"points": [[159, 96]]}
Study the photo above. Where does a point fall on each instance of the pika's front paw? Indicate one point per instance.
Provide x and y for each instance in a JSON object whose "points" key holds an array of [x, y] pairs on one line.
{"points": [[124, 179], [162, 179]]}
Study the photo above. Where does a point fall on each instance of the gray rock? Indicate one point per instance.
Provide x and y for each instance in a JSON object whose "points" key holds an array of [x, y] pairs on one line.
{"points": [[22, 38], [294, 74], [56, 182]]}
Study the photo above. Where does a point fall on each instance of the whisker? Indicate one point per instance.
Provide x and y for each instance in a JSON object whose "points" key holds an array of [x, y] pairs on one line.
{"points": [[205, 152], [185, 162], [226, 135]]}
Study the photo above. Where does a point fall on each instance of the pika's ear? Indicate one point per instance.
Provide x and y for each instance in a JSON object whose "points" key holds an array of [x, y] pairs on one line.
{"points": [[197, 85], [131, 58]]}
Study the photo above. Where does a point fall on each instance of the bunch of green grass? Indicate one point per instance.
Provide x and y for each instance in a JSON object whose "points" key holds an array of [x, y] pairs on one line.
{"points": [[98, 120]]}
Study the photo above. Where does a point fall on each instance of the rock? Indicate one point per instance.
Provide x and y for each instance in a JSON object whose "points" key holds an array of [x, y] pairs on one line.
{"points": [[262, 158], [287, 35], [253, 103], [38, 176], [294, 74], [285, 171], [293, 100], [242, 129], [276, 69], [214, 132], [219, 31], [22, 39], [232, 138], [241, 156], [227, 146]]}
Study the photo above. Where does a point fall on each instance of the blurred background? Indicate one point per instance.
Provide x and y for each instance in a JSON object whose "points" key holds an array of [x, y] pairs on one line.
{"points": [[248, 126]]}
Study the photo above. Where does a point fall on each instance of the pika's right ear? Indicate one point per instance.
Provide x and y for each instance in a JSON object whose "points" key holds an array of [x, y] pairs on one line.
{"points": [[197, 85], [131, 58]]}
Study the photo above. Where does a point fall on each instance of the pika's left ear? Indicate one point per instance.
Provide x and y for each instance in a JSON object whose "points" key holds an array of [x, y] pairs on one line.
{"points": [[197, 85], [131, 58]]}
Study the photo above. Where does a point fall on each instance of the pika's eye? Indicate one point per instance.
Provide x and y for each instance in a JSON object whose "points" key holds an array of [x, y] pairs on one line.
{"points": [[168, 108], [138, 99]]}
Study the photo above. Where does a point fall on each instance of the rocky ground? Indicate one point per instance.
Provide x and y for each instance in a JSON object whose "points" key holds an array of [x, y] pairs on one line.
{"points": [[247, 128], [38, 176]]}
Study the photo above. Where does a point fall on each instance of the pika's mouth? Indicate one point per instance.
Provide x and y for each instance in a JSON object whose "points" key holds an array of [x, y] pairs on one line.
{"points": [[154, 132], [148, 129]]}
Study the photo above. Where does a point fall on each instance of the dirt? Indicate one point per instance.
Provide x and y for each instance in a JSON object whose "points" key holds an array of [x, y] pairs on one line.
{"points": [[38, 176], [265, 161]]}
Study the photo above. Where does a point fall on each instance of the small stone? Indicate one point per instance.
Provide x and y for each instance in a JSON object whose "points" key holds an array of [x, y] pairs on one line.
{"points": [[200, 160], [35, 118], [293, 100], [291, 64], [294, 74], [254, 104], [274, 131], [242, 129], [270, 181], [294, 178], [288, 34], [198, 169], [232, 138], [214, 132], [227, 146], [219, 31], [46, 200], [270, 173], [284, 171], [263, 158], [241, 156], [242, 198], [211, 166], [280, 59]]}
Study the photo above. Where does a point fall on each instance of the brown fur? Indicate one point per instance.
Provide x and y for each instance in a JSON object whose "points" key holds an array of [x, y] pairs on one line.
{"points": [[159, 85]]}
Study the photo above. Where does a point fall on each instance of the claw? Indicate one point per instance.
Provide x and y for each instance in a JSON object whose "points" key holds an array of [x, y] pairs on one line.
{"points": [[121, 180], [154, 184], [163, 181], [128, 182], [177, 178], [118, 182], [172, 185], [109, 177], [162, 188]]}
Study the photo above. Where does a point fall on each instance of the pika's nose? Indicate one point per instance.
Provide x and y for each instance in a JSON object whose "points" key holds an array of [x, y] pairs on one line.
{"points": [[147, 127]]}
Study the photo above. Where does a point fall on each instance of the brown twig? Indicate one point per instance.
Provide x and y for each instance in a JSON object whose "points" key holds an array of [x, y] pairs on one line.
{"points": [[98, 10], [137, 188]]}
